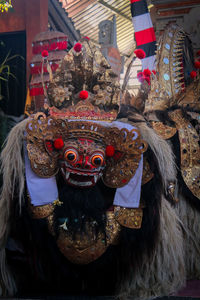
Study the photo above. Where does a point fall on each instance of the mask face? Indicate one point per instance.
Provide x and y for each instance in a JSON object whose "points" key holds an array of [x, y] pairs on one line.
{"points": [[82, 162]]}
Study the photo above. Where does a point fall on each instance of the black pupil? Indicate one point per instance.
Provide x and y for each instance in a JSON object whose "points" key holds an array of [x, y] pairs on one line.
{"points": [[71, 156], [97, 161]]}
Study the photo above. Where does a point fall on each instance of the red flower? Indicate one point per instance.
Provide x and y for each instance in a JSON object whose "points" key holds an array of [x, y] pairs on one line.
{"points": [[83, 94], [45, 53], [110, 151], [154, 72], [147, 78], [193, 74], [139, 75], [140, 53], [147, 72], [197, 64], [58, 143], [77, 47]]}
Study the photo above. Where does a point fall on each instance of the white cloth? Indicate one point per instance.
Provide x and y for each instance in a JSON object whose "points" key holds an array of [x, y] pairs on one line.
{"points": [[41, 190]]}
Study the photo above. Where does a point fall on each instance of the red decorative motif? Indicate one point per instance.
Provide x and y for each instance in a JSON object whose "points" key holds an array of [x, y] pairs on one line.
{"points": [[193, 74], [37, 48], [83, 95], [197, 64], [77, 47], [45, 53], [140, 53], [36, 91], [110, 151], [58, 143], [37, 69], [147, 72]]}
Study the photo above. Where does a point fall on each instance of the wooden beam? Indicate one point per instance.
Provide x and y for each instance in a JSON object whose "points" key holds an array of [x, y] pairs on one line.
{"points": [[172, 12], [189, 3], [78, 7], [117, 11]]}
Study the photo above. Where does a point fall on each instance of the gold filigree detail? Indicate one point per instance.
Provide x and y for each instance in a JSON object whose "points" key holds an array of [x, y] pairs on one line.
{"points": [[85, 70], [191, 96], [164, 131], [190, 152], [147, 174], [42, 211], [129, 143], [87, 248], [129, 217], [166, 89]]}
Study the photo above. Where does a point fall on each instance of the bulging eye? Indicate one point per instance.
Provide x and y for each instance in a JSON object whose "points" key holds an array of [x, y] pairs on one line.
{"points": [[71, 155], [97, 160]]}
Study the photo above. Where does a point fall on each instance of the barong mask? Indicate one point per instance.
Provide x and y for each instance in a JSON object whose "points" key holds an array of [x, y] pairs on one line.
{"points": [[76, 134]]}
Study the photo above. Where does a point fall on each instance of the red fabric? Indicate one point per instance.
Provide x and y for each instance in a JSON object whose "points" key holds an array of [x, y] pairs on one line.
{"points": [[145, 36], [132, 1], [37, 48], [36, 91]]}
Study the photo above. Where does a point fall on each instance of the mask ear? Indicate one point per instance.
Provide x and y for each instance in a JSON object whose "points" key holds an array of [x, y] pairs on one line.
{"points": [[41, 152], [124, 161]]}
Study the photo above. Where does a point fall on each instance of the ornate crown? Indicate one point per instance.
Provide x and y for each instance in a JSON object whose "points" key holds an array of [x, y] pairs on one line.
{"points": [[84, 86]]}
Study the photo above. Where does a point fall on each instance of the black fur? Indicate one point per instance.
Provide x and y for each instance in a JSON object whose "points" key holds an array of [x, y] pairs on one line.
{"points": [[40, 267]]}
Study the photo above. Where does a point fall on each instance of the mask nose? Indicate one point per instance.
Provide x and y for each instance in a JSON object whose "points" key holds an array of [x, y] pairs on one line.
{"points": [[84, 163]]}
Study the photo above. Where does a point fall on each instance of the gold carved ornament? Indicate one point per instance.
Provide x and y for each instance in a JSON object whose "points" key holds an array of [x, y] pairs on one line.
{"points": [[87, 248], [190, 152], [164, 131], [117, 173]]}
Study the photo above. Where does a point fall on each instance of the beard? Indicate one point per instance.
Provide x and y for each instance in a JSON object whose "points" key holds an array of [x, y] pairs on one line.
{"points": [[83, 210]]}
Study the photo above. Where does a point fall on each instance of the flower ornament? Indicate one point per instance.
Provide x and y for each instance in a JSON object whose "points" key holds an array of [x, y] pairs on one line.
{"points": [[147, 72], [58, 143], [197, 64], [83, 95], [78, 47], [45, 53], [193, 74], [140, 53]]}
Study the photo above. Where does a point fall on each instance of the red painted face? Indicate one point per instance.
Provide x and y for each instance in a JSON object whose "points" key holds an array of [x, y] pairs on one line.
{"points": [[82, 162]]}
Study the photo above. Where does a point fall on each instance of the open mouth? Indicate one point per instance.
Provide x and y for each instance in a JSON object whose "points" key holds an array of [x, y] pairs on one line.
{"points": [[80, 178]]}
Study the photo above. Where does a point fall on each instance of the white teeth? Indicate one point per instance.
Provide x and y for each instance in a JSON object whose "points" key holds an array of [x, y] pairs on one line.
{"points": [[88, 183], [64, 226], [67, 175], [62, 170], [95, 178]]}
